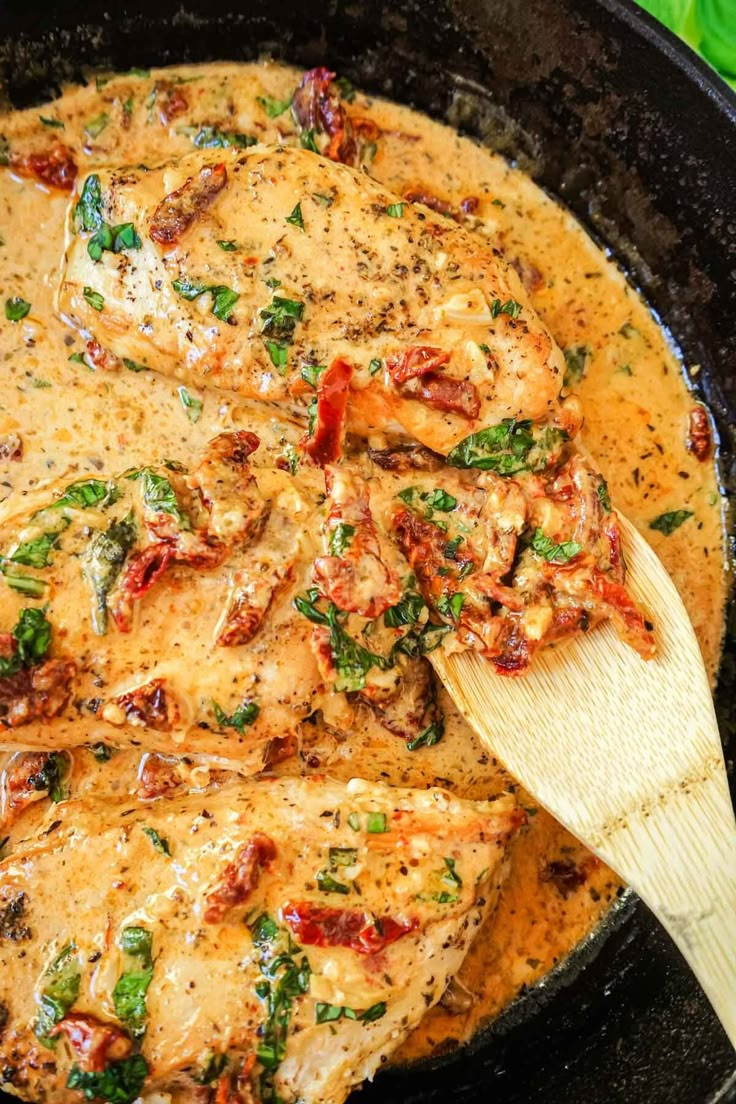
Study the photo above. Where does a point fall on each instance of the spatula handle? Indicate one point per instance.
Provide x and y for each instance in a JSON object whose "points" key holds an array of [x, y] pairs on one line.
{"points": [[680, 857]]}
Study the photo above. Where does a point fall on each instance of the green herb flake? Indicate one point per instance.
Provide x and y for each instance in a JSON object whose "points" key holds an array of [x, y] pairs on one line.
{"points": [[227, 246], [296, 218], [133, 365], [192, 406], [102, 562], [16, 308], [78, 358], [328, 884], [264, 929], [603, 496], [668, 522], [407, 610], [36, 552], [88, 211], [160, 843], [324, 200], [508, 448], [376, 823], [210, 137], [245, 714], [59, 992], [510, 307], [311, 372], [354, 821], [375, 366], [20, 582], [118, 1083], [551, 551], [95, 127], [129, 994], [55, 123], [343, 856], [87, 493], [341, 537], [285, 978], [395, 210], [32, 635], [330, 1013], [223, 297], [95, 300], [159, 496], [430, 736], [576, 359], [278, 353], [450, 605], [272, 106]]}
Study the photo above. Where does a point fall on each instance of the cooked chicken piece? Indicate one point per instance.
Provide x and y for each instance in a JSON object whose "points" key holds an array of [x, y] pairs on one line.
{"points": [[116, 606], [271, 939], [254, 270]]}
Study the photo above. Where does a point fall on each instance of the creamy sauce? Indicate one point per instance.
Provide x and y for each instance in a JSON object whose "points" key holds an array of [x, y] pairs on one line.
{"points": [[73, 421]]}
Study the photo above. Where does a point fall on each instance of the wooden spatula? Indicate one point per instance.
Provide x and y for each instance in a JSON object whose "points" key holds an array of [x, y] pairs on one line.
{"points": [[626, 754]]}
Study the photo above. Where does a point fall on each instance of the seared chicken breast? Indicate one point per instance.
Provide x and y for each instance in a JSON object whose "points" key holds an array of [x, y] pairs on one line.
{"points": [[257, 271], [274, 938]]}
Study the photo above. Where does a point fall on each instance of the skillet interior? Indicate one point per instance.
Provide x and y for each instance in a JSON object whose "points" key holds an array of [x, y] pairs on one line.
{"points": [[635, 136]]}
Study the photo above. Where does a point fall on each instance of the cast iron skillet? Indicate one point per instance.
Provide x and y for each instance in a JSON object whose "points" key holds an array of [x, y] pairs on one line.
{"points": [[629, 129]]}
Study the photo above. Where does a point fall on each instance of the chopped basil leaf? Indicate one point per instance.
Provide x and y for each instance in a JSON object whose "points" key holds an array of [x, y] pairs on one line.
{"points": [[118, 1083], [88, 492], [159, 496], [296, 218], [102, 562], [311, 372], [328, 884], [56, 123], [429, 737], [406, 611], [78, 358], [667, 523], [88, 211], [603, 496], [209, 137], [16, 308], [95, 300], [264, 929], [439, 500], [95, 127], [395, 210], [341, 538], [508, 448], [129, 994], [223, 298], [306, 140], [325, 200], [450, 874], [375, 823], [450, 605], [24, 584], [227, 246], [352, 661], [51, 777], [102, 752], [280, 317], [375, 366], [192, 406], [133, 366], [555, 553], [422, 641], [347, 90], [576, 358], [284, 979], [272, 106], [343, 856], [159, 842], [354, 821], [35, 553], [279, 355], [245, 714], [212, 1068], [32, 635], [329, 1013], [510, 307], [59, 993], [113, 239]]}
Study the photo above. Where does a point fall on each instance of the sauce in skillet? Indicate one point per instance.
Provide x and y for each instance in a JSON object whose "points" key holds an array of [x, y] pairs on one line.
{"points": [[71, 421]]}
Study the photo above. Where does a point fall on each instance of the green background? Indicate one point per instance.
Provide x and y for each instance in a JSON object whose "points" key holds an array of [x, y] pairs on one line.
{"points": [[709, 26]]}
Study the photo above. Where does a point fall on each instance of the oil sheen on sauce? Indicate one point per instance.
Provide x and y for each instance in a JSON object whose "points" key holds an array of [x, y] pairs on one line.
{"points": [[73, 421]]}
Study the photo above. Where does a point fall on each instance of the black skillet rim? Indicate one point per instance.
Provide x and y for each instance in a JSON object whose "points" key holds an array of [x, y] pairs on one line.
{"points": [[709, 84]]}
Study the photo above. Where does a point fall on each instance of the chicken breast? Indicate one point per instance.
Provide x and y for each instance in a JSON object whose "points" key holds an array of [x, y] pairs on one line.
{"points": [[270, 941], [253, 270]]}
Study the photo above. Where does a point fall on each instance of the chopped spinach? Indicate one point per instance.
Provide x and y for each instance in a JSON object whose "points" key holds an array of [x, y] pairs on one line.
{"points": [[94, 298], [223, 297], [32, 636], [395, 210], [352, 661], [86, 493], [60, 990], [285, 978], [159, 496], [160, 843], [407, 610], [296, 218], [88, 211], [192, 406], [329, 1013], [576, 358], [341, 537], [430, 736]]}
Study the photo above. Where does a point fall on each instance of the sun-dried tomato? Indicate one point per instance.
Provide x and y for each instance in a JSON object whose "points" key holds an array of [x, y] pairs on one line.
{"points": [[321, 926]]}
